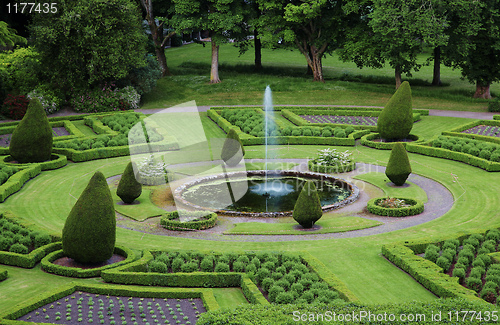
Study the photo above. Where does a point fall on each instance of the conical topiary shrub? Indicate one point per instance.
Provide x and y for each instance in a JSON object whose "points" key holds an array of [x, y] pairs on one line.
{"points": [[396, 119], [129, 188], [89, 233], [307, 209], [232, 150], [398, 168], [31, 141]]}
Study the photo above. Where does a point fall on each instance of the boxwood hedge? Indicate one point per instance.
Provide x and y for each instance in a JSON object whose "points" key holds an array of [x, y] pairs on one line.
{"points": [[416, 207], [198, 220]]}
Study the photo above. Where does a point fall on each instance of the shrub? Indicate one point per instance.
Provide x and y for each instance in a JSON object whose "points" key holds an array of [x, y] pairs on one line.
{"points": [[308, 296], [274, 291], [474, 151], [255, 261], [431, 255], [443, 263], [493, 234], [19, 249], [326, 133], [267, 283], [398, 168], [485, 259], [307, 209], [396, 119], [467, 253], [24, 147], [277, 275], [232, 150], [207, 264], [463, 260], [449, 254], [474, 283], [15, 106], [158, 266], [459, 273], [307, 132], [239, 267], [284, 298], [189, 267], [340, 134], [477, 271], [262, 274], [494, 105], [283, 283], [221, 267], [164, 258], [177, 264], [129, 188], [50, 102], [91, 224], [297, 287]]}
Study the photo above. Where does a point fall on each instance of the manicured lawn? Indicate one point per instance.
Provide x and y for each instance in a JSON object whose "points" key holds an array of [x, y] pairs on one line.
{"points": [[381, 181], [339, 224], [229, 297]]}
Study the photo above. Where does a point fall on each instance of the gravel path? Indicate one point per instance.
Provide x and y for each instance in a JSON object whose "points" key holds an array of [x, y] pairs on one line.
{"points": [[440, 200]]}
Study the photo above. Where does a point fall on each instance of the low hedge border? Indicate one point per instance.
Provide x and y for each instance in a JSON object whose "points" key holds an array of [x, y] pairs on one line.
{"points": [[74, 272], [9, 317], [251, 292], [367, 140], [16, 181], [466, 158], [456, 132], [328, 277], [416, 207], [293, 116], [423, 112], [57, 161], [28, 261], [167, 222], [3, 274], [496, 117], [73, 131], [342, 168], [99, 128], [28, 224], [427, 273]]}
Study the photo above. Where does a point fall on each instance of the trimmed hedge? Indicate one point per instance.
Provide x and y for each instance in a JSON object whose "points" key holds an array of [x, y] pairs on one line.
{"points": [[366, 140], [456, 132], [28, 261], [168, 221], [251, 292], [427, 273], [75, 272], [99, 128], [57, 161], [10, 316], [496, 117], [323, 108], [453, 155], [331, 169], [16, 181], [416, 208], [3, 274]]}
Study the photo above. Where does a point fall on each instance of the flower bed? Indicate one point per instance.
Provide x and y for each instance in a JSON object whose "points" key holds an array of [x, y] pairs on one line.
{"points": [[193, 220], [373, 140], [339, 119], [332, 161], [395, 207]]}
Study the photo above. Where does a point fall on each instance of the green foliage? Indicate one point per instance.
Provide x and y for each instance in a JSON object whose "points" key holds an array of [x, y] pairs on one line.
{"points": [[396, 119], [193, 220], [129, 188], [398, 168], [19, 70], [232, 151], [82, 45], [307, 209], [24, 147], [89, 232]]}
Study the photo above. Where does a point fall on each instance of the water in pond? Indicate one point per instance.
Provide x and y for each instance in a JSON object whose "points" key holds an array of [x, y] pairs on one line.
{"points": [[279, 193]]}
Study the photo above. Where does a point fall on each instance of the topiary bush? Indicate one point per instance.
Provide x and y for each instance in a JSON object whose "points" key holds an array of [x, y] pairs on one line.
{"points": [[129, 188], [307, 209], [89, 233], [232, 150], [398, 168], [24, 146], [396, 119]]}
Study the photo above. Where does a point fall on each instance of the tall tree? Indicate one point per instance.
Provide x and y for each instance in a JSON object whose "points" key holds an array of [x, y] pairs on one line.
{"points": [[89, 42], [394, 32], [474, 45], [157, 19], [8, 36], [220, 17], [313, 26]]}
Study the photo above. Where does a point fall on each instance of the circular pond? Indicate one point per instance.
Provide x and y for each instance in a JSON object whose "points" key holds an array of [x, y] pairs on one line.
{"points": [[253, 193]]}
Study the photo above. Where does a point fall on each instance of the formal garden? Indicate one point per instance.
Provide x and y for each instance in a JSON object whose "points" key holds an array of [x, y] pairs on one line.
{"points": [[136, 193]]}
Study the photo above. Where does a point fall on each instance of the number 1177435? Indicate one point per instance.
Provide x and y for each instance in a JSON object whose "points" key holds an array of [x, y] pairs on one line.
{"points": [[31, 8]]}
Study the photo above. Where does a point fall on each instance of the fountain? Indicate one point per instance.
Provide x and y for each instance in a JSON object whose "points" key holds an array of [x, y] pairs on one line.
{"points": [[270, 193]]}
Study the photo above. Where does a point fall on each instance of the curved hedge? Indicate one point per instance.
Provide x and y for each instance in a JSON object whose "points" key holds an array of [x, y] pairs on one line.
{"points": [[366, 140], [57, 161], [16, 181], [28, 261], [168, 221], [342, 168], [75, 272], [416, 207], [3, 274]]}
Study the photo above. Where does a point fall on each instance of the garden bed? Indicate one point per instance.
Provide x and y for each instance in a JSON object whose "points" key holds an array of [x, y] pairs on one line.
{"points": [[395, 207], [339, 119], [486, 130], [195, 220]]}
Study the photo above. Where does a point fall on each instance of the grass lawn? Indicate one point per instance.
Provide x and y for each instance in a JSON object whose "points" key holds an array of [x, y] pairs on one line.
{"points": [[381, 181]]}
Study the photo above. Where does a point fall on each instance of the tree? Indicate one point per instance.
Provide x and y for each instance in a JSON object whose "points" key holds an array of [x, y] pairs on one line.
{"points": [[89, 233], [90, 42], [129, 188], [220, 17], [398, 168], [474, 45], [393, 31], [8, 36], [396, 119], [313, 26], [157, 28], [24, 146], [307, 209]]}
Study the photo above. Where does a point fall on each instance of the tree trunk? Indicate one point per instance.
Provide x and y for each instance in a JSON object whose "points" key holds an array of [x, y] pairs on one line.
{"points": [[482, 91], [162, 60], [258, 50], [436, 79], [214, 70], [317, 68], [309, 69], [397, 74]]}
